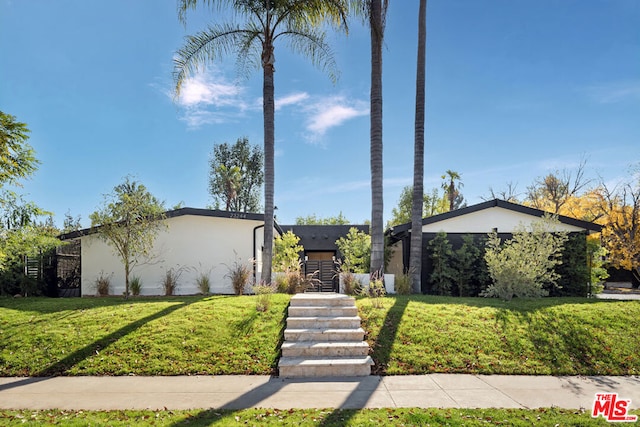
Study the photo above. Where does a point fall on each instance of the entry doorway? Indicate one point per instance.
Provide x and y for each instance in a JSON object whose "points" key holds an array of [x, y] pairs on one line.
{"points": [[321, 266]]}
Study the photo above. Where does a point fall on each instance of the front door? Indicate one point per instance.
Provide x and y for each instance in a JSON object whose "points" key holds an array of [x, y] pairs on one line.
{"points": [[321, 267]]}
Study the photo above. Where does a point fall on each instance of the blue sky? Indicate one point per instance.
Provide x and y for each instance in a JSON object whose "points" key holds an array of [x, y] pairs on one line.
{"points": [[515, 90]]}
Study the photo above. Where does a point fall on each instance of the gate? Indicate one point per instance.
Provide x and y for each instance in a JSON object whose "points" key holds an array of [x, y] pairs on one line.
{"points": [[324, 275]]}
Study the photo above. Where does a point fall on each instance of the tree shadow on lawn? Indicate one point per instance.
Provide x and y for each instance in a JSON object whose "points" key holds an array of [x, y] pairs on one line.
{"points": [[62, 366], [245, 326]]}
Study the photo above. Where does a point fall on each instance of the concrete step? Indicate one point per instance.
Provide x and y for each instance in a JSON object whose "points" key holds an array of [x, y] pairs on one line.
{"points": [[317, 311], [323, 349], [323, 322], [326, 367], [323, 334], [322, 299]]}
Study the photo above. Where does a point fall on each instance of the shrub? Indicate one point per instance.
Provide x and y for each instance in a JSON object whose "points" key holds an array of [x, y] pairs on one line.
{"points": [[376, 290], [170, 281], [286, 252], [525, 264], [403, 284], [203, 281], [599, 274], [135, 284], [467, 261], [356, 251], [291, 282], [102, 284], [239, 273], [264, 293], [443, 274]]}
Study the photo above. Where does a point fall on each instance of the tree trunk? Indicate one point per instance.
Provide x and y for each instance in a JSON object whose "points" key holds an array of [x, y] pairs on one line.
{"points": [[269, 138], [415, 257], [376, 230]]}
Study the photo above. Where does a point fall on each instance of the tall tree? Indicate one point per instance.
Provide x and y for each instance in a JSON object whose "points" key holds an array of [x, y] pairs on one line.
{"points": [[621, 234], [264, 22], [417, 205], [551, 192], [17, 157], [314, 220], [376, 11], [236, 175], [451, 185], [432, 204], [129, 221]]}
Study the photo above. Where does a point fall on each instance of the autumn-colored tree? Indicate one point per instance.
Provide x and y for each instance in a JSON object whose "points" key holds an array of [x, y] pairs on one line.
{"points": [[621, 234], [551, 192]]}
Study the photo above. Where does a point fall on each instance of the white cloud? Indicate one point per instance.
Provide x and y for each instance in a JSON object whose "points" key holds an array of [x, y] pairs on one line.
{"points": [[610, 93], [208, 98], [327, 113], [292, 99]]}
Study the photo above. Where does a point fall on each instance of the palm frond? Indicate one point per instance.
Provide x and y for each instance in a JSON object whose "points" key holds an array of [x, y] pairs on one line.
{"points": [[204, 47], [311, 43]]}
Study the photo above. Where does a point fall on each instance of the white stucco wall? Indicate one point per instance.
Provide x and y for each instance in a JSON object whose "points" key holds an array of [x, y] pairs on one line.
{"points": [[191, 243], [505, 220]]}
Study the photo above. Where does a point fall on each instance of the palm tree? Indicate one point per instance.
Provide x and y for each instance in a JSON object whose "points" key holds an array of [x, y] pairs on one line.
{"points": [[264, 21], [415, 257], [451, 189], [376, 11]]}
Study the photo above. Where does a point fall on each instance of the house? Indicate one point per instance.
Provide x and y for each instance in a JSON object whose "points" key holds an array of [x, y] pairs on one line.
{"points": [[477, 220], [195, 241], [320, 254]]}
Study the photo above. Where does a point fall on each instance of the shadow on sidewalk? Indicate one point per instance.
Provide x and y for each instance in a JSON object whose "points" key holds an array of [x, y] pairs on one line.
{"points": [[358, 397]]}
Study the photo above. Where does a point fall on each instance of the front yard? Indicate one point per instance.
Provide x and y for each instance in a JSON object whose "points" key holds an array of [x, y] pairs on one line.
{"points": [[225, 335]]}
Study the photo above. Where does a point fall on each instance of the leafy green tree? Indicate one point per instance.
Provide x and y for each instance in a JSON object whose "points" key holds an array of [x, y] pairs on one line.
{"points": [[314, 220], [432, 204], [21, 235], [355, 248], [286, 253], [299, 22], [443, 274], [129, 220], [17, 157], [525, 266], [236, 176]]}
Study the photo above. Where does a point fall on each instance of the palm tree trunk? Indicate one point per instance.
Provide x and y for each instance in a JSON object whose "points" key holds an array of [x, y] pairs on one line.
{"points": [[415, 257], [269, 168], [377, 236]]}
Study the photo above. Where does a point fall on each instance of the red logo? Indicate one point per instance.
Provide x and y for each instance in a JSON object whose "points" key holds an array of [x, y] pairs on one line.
{"points": [[612, 409]]}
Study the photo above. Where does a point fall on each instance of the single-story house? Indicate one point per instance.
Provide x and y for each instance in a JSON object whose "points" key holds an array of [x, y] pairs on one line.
{"points": [[478, 220], [320, 252], [195, 241]]}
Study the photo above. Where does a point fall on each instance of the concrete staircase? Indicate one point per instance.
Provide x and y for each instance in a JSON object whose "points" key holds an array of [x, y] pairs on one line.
{"points": [[323, 338]]}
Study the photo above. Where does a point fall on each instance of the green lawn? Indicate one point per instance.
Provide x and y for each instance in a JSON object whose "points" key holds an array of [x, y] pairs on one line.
{"points": [[144, 336], [325, 418], [226, 335], [559, 336]]}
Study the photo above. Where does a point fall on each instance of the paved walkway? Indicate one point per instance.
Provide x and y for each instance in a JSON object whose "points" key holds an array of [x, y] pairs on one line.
{"points": [[239, 392]]}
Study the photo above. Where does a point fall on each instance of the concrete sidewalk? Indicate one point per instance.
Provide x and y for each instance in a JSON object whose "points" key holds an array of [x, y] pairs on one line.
{"points": [[239, 392]]}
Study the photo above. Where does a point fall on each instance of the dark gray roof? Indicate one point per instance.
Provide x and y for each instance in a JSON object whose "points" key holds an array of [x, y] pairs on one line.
{"points": [[403, 228], [321, 237], [180, 212]]}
